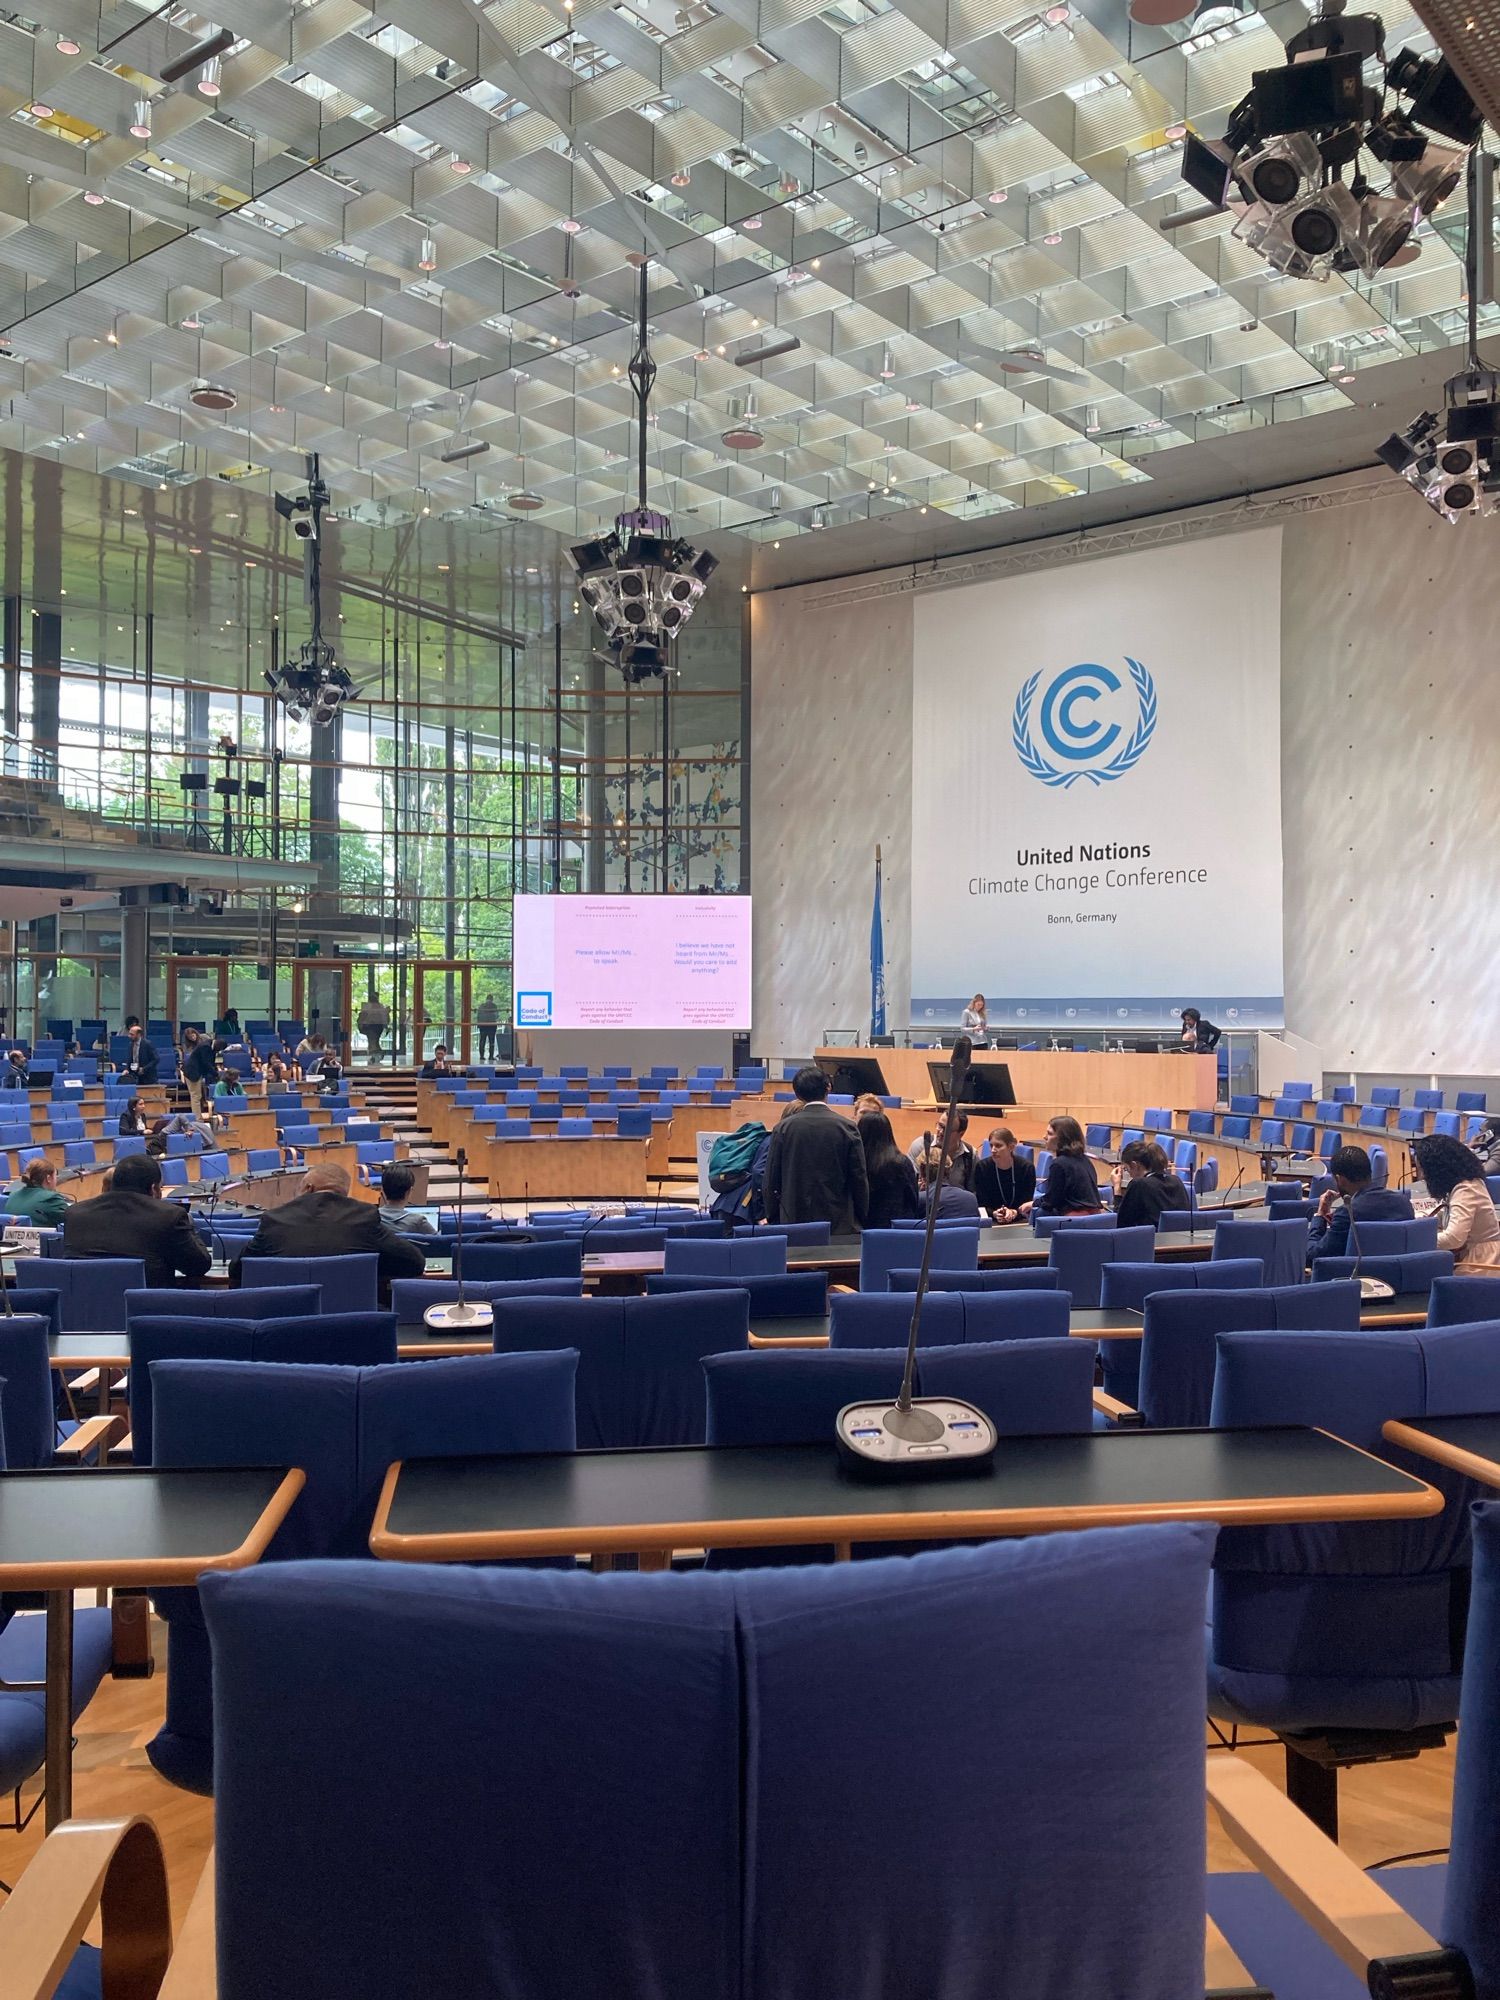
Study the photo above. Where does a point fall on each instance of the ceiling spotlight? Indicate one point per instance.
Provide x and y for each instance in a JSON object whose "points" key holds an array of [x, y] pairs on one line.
{"points": [[212, 396], [912, 406], [683, 177], [570, 226], [1176, 130], [427, 260], [751, 222], [743, 433], [141, 129], [40, 110], [93, 197], [1056, 15], [1053, 238], [276, 409], [457, 164], [66, 46], [887, 366], [192, 323], [209, 84], [996, 196], [112, 338], [442, 345], [525, 501], [790, 185]]}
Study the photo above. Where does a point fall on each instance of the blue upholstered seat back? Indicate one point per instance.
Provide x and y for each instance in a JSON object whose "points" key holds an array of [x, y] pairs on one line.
{"points": [[731, 1255], [1396, 1239], [1177, 1345], [523, 1260], [27, 1420], [883, 1250], [348, 1283], [1281, 1246], [640, 1379], [1455, 1301], [1332, 1624], [1412, 1271], [1470, 1918], [687, 1838], [1079, 1256], [91, 1289], [333, 1423], [241, 1302], [773, 1397], [410, 1297], [1025, 1278], [773, 1295], [949, 1319]]}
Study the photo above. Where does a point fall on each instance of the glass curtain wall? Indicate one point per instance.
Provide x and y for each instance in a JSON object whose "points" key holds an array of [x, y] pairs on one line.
{"points": [[469, 768]]}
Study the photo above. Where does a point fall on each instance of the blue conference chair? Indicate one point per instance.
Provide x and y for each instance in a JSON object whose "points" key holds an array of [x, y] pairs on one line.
{"points": [[883, 1250], [737, 1708], [1201, 1124], [731, 1254], [1342, 1638], [410, 1297], [1127, 1287], [1244, 1102], [1176, 1351], [343, 1426], [349, 1283], [1395, 1239], [797, 1232], [1281, 1246], [1043, 1226], [772, 1295], [351, 1340], [1024, 1278], [1079, 1255], [640, 1379], [1273, 1131], [486, 1260], [1184, 1221], [949, 1319], [1237, 1127], [1470, 1100], [1455, 1301], [1413, 1271], [248, 1302], [1385, 1094], [91, 1290], [1344, 1093]]}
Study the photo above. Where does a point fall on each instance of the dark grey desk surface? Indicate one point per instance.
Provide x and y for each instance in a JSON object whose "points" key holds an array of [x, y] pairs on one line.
{"points": [[1466, 1444], [62, 1530], [461, 1510]]}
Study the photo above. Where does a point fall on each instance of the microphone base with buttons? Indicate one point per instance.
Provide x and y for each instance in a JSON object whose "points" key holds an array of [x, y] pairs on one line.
{"points": [[932, 1435]]}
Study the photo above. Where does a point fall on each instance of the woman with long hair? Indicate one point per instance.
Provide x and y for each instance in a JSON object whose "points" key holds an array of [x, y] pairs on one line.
{"points": [[975, 1019], [1072, 1185], [1145, 1184], [1453, 1176], [893, 1178]]}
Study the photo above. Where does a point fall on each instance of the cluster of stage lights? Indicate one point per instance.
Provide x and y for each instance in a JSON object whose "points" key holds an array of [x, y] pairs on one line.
{"points": [[642, 583], [312, 687], [1304, 146]]}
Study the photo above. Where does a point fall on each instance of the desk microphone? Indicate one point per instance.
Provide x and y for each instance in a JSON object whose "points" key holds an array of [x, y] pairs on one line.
{"points": [[925, 1434], [462, 1313]]}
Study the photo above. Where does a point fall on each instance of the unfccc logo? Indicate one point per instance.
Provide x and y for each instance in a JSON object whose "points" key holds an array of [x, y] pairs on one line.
{"points": [[1079, 720]]}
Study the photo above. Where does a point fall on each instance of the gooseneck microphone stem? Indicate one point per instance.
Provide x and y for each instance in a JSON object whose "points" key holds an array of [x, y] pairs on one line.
{"points": [[958, 1073]]}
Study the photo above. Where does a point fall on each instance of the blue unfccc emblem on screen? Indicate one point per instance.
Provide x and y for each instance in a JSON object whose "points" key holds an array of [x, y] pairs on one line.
{"points": [[1076, 715]]}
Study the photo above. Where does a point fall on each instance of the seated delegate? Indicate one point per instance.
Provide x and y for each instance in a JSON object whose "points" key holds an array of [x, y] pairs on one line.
{"points": [[131, 1220], [1004, 1184], [954, 1204], [1072, 1185], [1352, 1191], [1145, 1185], [1453, 1177], [35, 1199]]}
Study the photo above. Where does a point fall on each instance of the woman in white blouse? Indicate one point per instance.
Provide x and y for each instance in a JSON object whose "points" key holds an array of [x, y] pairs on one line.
{"points": [[1453, 1176], [975, 1020]]}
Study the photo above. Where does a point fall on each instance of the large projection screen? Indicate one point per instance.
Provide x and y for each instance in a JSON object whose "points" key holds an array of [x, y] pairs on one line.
{"points": [[1096, 791], [632, 961]]}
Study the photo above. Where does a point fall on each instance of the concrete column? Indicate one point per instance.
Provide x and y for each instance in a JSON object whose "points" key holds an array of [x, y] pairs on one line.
{"points": [[135, 941], [46, 689], [323, 809]]}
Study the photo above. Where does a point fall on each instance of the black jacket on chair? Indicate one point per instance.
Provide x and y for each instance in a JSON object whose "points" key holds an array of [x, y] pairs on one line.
{"points": [[127, 1223], [1072, 1187], [333, 1225]]}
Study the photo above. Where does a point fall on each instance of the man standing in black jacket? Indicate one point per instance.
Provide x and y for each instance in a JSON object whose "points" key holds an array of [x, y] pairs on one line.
{"points": [[815, 1170], [200, 1068], [140, 1064], [132, 1220]]}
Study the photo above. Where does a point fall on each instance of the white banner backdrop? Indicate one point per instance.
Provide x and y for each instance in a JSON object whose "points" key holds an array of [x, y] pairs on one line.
{"points": [[1096, 791]]}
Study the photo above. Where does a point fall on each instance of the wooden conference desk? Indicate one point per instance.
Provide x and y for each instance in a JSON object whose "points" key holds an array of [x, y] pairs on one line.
{"points": [[1464, 1444], [1061, 1080], [606, 1503], [553, 1169], [67, 1531]]}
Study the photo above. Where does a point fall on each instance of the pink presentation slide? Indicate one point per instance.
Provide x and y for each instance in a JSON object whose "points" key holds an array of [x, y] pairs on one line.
{"points": [[632, 961]]}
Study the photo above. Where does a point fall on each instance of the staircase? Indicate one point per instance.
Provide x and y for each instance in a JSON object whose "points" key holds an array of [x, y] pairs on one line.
{"points": [[390, 1095]]}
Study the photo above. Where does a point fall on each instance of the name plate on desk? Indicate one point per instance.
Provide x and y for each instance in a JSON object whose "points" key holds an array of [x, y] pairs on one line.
{"points": [[18, 1242]]}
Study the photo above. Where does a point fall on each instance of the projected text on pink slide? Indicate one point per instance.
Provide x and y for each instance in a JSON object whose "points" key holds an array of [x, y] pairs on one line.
{"points": [[632, 961]]}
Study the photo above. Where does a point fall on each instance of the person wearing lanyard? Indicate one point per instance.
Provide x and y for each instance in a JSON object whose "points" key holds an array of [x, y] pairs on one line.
{"points": [[975, 1020], [1004, 1184]]}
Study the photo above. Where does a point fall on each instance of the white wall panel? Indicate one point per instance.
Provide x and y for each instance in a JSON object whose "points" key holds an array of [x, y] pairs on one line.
{"points": [[830, 776], [1390, 781]]}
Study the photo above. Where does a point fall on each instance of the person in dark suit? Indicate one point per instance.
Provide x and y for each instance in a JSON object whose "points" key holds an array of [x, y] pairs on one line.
{"points": [[325, 1221], [140, 1065], [132, 1220], [1198, 1035], [815, 1170], [1072, 1187], [1328, 1232], [13, 1076]]}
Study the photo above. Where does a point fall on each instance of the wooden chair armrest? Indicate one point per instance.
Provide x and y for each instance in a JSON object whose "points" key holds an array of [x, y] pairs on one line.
{"points": [[843, 1288], [194, 1973], [1347, 1908], [1224, 1971], [1111, 1406], [92, 1435], [81, 1384], [123, 1447], [113, 1866], [789, 1340]]}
